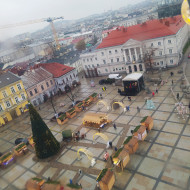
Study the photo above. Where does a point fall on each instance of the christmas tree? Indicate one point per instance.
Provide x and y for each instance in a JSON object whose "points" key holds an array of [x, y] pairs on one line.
{"points": [[45, 143]]}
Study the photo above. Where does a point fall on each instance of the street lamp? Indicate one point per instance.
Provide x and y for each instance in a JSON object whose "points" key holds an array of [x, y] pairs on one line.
{"points": [[51, 100]]}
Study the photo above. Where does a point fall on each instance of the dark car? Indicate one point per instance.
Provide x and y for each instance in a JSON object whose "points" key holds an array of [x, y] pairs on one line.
{"points": [[20, 140], [103, 81]]}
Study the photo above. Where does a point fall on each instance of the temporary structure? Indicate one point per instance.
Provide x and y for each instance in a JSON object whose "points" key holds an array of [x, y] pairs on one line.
{"points": [[106, 179], [78, 107], [6, 159], [133, 84], [140, 133], [148, 122], [71, 113], [132, 145], [34, 184], [20, 149], [95, 119], [62, 119], [51, 186]]}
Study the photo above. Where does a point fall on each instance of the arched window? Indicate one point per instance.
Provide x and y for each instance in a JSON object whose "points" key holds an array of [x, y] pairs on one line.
{"points": [[135, 68], [140, 67], [130, 70]]}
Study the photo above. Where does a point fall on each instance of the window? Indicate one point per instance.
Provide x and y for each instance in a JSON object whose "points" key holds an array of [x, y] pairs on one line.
{"points": [[8, 104], [90, 59], [171, 61], [87, 60], [104, 61], [16, 100], [84, 60], [123, 58], [159, 43], [70, 77], [109, 52], [74, 75], [1, 109], [12, 90], [170, 50], [122, 68], [158, 63], [98, 65], [106, 70], [47, 84], [117, 59], [102, 53], [96, 58], [19, 86], [161, 62], [160, 52], [31, 93], [93, 65], [116, 51], [23, 96], [86, 66], [151, 44], [169, 41], [51, 82], [35, 90], [4, 94], [111, 60], [42, 87]]}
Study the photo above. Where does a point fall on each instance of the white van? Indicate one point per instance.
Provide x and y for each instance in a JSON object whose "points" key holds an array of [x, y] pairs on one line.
{"points": [[115, 76]]}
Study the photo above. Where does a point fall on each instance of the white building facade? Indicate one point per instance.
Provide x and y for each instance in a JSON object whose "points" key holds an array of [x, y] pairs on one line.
{"points": [[128, 57]]}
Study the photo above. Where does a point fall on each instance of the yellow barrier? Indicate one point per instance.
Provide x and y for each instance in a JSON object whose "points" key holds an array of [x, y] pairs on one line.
{"points": [[185, 11], [121, 104], [101, 135], [86, 152]]}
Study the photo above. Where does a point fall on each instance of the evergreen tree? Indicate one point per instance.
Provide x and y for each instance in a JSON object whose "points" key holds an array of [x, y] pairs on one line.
{"points": [[46, 144]]}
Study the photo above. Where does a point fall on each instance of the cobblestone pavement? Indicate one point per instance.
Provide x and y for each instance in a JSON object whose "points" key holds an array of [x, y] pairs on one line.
{"points": [[161, 162]]}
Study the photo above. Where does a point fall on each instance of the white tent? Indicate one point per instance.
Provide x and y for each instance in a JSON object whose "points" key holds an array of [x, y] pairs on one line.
{"points": [[133, 77]]}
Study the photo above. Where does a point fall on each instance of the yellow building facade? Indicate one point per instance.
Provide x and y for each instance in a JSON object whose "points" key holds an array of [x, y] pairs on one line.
{"points": [[13, 97]]}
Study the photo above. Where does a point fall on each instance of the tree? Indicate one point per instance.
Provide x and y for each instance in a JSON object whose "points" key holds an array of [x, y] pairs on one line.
{"points": [[46, 144], [81, 45]]}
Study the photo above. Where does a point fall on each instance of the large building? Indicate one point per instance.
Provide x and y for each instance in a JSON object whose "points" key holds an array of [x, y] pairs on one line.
{"points": [[62, 74], [13, 97], [123, 50], [39, 84]]}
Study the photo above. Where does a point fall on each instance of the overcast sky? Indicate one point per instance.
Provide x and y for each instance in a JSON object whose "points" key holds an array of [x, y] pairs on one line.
{"points": [[16, 11]]}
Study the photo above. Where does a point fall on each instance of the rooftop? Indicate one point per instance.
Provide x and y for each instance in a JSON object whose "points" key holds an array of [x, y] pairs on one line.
{"points": [[140, 32], [132, 77]]}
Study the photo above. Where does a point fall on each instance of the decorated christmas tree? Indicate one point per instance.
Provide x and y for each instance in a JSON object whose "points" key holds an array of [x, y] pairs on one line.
{"points": [[45, 143]]}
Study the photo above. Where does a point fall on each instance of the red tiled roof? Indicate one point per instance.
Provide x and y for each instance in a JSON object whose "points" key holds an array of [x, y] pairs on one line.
{"points": [[149, 30], [56, 69], [77, 40]]}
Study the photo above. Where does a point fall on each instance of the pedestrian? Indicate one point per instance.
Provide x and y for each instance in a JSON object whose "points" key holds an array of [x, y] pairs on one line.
{"points": [[39, 108], [110, 143], [71, 181], [156, 90], [111, 159], [172, 82], [171, 74], [138, 109], [114, 126], [177, 96], [105, 88], [82, 108], [80, 171], [115, 149], [129, 98], [189, 105], [127, 108], [100, 95], [153, 94], [82, 77], [99, 130]]}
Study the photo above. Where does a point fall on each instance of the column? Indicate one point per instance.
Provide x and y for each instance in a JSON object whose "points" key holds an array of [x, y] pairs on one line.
{"points": [[125, 55], [130, 55], [136, 54], [141, 52]]}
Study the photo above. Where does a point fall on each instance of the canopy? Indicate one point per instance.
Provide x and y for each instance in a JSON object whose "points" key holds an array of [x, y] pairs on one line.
{"points": [[132, 77], [94, 117]]}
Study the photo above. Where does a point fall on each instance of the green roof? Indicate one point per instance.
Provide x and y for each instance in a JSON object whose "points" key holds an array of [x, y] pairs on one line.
{"points": [[67, 133], [127, 140], [117, 153], [144, 119], [137, 128], [103, 172], [20, 146]]}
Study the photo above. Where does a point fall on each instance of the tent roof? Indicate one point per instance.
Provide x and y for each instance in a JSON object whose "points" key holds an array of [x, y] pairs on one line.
{"points": [[132, 77], [94, 117]]}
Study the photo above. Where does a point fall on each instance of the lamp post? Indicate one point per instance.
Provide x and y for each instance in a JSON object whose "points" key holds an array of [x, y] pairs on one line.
{"points": [[51, 100]]}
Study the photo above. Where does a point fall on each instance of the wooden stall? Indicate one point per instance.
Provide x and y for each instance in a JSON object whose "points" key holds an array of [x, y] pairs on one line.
{"points": [[148, 122], [62, 119], [20, 149], [88, 101], [121, 158], [78, 107], [95, 120], [34, 184], [140, 133], [7, 159], [71, 113], [51, 185], [94, 96], [106, 179], [131, 145]]}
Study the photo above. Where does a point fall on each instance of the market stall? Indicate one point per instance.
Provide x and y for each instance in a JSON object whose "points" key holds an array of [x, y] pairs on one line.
{"points": [[20, 149], [67, 135], [121, 158], [148, 122], [62, 119], [34, 184], [133, 84], [131, 144], [78, 107], [51, 185], [106, 179], [96, 120], [7, 159], [140, 133], [71, 113], [88, 101], [94, 96]]}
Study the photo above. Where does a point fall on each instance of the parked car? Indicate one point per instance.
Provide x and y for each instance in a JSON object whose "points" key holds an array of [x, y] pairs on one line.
{"points": [[20, 140], [106, 81], [102, 81]]}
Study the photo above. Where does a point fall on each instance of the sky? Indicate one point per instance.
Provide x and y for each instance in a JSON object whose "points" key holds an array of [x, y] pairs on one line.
{"points": [[17, 11]]}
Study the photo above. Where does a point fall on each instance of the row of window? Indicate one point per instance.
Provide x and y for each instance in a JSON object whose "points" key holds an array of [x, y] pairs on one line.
{"points": [[159, 43], [12, 90], [8, 103], [42, 87], [162, 63]]}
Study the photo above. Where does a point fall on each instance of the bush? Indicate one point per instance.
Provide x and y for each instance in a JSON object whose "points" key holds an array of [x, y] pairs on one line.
{"points": [[186, 46]]}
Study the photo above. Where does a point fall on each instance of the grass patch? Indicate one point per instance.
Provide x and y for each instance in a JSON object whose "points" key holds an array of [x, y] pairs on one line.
{"points": [[20, 146], [144, 119], [80, 104], [71, 110], [102, 174], [37, 179], [94, 94], [52, 182], [74, 186], [6, 156], [62, 117], [127, 139]]}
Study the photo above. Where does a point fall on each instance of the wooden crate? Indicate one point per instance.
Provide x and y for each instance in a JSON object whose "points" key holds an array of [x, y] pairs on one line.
{"points": [[132, 145], [141, 134], [148, 123], [62, 122]]}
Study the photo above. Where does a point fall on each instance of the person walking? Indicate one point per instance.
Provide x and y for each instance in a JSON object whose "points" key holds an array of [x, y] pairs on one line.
{"points": [[153, 94], [138, 109], [156, 90], [172, 82], [177, 96], [129, 98], [111, 159], [127, 108], [114, 126], [115, 149]]}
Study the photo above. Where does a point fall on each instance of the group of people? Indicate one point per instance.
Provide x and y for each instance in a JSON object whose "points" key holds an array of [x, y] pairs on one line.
{"points": [[182, 109]]}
